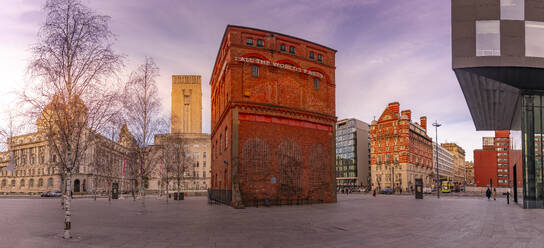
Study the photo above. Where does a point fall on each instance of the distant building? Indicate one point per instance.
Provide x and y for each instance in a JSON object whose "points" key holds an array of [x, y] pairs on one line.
{"points": [[401, 151], [186, 124], [492, 163], [469, 167], [186, 104], [445, 163], [458, 161], [352, 153]]}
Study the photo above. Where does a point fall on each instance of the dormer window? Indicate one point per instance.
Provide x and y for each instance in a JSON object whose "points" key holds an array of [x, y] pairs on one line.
{"points": [[320, 58], [312, 55], [260, 43], [282, 47], [249, 42], [291, 49]]}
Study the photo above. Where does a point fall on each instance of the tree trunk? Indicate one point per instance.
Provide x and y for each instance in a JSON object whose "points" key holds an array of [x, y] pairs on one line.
{"points": [[68, 209]]}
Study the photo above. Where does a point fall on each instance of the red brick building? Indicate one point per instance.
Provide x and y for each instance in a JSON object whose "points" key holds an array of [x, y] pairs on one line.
{"points": [[273, 118], [494, 162], [401, 151]]}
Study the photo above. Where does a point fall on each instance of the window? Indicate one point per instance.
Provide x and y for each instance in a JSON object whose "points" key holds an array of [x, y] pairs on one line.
{"points": [[312, 55], [282, 47], [512, 9], [40, 182], [31, 183], [260, 43], [488, 38], [22, 182], [316, 83], [292, 49], [204, 164], [249, 42], [197, 164], [255, 70], [203, 154], [534, 39], [204, 174], [226, 138], [4, 183], [320, 58], [196, 155], [195, 145], [12, 183]]}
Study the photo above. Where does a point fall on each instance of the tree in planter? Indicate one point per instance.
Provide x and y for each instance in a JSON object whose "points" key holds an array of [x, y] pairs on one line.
{"points": [[68, 88]]}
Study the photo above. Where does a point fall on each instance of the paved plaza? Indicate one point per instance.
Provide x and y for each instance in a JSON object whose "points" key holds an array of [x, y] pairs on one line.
{"points": [[355, 221]]}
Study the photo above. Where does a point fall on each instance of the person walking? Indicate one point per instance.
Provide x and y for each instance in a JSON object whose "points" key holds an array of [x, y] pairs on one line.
{"points": [[508, 197], [488, 193], [494, 194], [374, 193]]}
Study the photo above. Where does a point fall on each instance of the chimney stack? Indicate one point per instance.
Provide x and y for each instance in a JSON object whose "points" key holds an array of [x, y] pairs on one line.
{"points": [[423, 121], [394, 106]]}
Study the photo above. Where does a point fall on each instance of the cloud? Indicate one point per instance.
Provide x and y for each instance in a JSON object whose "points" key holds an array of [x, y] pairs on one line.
{"points": [[388, 50]]}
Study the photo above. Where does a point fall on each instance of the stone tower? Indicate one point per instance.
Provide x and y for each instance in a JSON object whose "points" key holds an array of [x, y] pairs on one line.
{"points": [[186, 104]]}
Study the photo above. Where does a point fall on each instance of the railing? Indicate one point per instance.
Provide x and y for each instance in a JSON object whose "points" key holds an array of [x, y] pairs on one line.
{"points": [[220, 195]]}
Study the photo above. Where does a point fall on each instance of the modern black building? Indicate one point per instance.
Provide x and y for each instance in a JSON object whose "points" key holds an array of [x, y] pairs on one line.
{"points": [[498, 58]]}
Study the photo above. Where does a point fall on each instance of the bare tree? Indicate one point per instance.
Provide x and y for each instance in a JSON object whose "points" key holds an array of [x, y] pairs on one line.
{"points": [[142, 111], [175, 161], [68, 91]]}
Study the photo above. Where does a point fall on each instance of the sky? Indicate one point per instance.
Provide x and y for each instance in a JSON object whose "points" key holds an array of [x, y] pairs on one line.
{"points": [[388, 50]]}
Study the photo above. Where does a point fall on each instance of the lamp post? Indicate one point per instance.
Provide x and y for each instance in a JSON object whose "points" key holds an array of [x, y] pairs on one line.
{"points": [[436, 125]]}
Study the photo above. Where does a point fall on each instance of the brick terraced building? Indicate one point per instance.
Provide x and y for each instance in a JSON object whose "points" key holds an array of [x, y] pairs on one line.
{"points": [[273, 118], [401, 151]]}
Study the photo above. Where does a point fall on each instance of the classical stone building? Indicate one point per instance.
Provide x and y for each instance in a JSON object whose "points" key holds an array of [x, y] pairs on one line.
{"points": [[469, 166], [401, 151], [186, 129], [273, 119], [186, 104], [458, 162], [30, 166]]}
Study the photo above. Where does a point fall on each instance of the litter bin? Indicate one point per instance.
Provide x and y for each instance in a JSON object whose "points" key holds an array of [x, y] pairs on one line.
{"points": [[175, 196], [181, 196], [419, 188]]}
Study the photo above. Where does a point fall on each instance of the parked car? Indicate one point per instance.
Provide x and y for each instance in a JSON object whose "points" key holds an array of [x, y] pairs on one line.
{"points": [[51, 194], [387, 191]]}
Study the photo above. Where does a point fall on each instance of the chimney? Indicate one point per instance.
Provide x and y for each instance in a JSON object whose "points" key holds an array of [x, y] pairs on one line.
{"points": [[407, 113], [394, 106], [423, 120]]}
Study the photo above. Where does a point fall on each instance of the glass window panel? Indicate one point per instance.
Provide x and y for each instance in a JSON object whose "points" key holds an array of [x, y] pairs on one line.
{"points": [[512, 9], [534, 39], [488, 40]]}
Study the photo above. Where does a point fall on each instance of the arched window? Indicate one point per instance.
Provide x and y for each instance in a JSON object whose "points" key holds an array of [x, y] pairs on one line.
{"points": [[260, 43], [320, 58], [255, 70], [292, 49], [31, 183], [40, 182], [12, 183], [282, 47], [316, 83], [4, 183], [312, 55], [50, 182], [22, 184]]}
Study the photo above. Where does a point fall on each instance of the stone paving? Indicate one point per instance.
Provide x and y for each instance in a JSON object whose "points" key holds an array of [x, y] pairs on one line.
{"points": [[355, 221]]}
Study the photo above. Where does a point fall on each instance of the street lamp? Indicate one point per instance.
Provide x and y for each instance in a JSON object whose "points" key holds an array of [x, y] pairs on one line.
{"points": [[436, 125]]}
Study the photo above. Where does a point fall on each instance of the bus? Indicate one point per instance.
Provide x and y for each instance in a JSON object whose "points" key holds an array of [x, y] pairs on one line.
{"points": [[446, 186]]}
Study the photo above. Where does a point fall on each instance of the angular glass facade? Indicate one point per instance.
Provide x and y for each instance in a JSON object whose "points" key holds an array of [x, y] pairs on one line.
{"points": [[532, 148]]}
